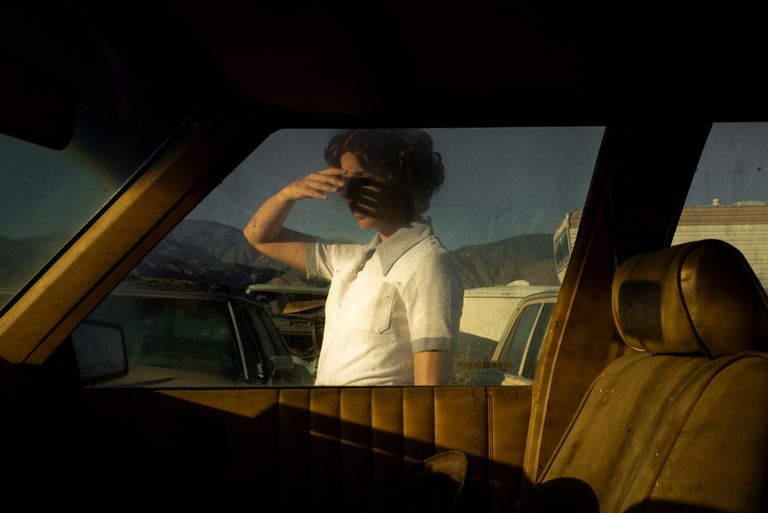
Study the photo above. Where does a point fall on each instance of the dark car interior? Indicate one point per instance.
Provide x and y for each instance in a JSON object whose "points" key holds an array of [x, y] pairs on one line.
{"points": [[649, 393]]}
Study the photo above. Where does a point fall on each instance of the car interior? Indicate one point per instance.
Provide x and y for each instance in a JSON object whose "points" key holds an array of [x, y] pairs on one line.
{"points": [[649, 394]]}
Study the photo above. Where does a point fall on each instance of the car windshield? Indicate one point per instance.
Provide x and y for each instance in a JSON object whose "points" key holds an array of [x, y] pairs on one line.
{"points": [[47, 196], [84, 123]]}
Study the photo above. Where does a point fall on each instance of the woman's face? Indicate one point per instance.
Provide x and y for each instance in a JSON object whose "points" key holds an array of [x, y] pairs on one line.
{"points": [[375, 200]]}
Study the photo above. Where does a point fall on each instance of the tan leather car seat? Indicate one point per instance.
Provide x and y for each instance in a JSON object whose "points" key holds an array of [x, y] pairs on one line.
{"points": [[682, 425]]}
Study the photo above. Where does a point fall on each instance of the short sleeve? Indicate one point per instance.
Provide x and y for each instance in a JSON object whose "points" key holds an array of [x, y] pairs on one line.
{"points": [[325, 259], [433, 298], [317, 263]]}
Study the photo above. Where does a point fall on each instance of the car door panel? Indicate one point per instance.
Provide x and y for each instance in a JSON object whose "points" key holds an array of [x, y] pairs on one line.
{"points": [[317, 446]]}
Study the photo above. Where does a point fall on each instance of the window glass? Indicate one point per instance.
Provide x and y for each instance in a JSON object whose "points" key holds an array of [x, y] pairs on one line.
{"points": [[533, 351], [47, 196], [298, 314], [275, 338], [86, 115], [174, 342], [728, 198], [249, 342], [562, 250], [564, 239], [504, 193], [517, 342]]}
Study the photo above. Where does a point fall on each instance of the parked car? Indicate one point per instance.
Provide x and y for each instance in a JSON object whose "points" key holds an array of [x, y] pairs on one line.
{"points": [[516, 354], [186, 334], [299, 314], [486, 314], [114, 128]]}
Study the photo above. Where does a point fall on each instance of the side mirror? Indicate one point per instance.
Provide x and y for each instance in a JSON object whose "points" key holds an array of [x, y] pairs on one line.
{"points": [[100, 351]]}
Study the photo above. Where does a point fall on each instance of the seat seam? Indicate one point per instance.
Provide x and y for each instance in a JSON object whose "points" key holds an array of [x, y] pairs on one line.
{"points": [[404, 423], [491, 453]]}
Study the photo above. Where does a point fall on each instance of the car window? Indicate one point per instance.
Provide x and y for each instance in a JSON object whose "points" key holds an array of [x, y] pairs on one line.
{"points": [[173, 341], [47, 196], [504, 193], [263, 334], [252, 354], [533, 351], [516, 343], [276, 341], [562, 250], [90, 118], [728, 198]]}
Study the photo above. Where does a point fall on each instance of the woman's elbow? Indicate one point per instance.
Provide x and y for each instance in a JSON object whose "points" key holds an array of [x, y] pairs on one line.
{"points": [[253, 239]]}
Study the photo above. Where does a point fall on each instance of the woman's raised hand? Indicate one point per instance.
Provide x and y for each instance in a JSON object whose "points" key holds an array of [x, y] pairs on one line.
{"points": [[315, 185]]}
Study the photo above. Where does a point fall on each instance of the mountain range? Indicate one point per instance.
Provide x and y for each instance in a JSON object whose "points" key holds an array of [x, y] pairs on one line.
{"points": [[216, 253]]}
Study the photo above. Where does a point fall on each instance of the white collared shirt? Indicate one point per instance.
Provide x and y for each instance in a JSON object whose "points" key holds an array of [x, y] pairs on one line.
{"points": [[379, 311]]}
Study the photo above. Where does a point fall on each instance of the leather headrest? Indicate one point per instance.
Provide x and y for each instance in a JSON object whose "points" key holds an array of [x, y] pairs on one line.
{"points": [[698, 297]]}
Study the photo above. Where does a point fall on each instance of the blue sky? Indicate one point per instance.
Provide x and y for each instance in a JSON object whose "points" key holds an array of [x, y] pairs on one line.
{"points": [[499, 182]]}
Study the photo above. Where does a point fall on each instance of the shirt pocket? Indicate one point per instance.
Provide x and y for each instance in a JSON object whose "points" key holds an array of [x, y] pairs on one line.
{"points": [[372, 310]]}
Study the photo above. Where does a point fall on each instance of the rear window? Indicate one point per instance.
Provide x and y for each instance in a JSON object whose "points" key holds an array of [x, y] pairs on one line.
{"points": [[728, 198]]}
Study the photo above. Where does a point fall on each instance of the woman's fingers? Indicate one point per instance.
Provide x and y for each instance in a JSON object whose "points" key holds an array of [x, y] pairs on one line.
{"points": [[313, 193], [315, 185], [331, 179], [323, 182], [332, 171]]}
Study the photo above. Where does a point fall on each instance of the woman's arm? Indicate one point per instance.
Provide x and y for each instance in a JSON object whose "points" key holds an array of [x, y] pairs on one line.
{"points": [[431, 368], [434, 299], [265, 230]]}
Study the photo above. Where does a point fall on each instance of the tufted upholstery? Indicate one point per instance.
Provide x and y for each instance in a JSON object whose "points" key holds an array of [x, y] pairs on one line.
{"points": [[343, 445], [328, 448], [682, 426]]}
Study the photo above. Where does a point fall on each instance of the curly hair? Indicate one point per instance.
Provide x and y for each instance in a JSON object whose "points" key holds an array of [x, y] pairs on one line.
{"points": [[406, 156]]}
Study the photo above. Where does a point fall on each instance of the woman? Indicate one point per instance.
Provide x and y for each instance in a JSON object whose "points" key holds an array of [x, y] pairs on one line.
{"points": [[393, 306]]}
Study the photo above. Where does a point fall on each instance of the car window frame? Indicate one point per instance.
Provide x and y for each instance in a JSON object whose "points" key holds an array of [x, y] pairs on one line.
{"points": [[240, 344]]}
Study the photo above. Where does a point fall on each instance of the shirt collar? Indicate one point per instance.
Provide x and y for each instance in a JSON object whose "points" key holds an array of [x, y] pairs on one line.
{"points": [[399, 243]]}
